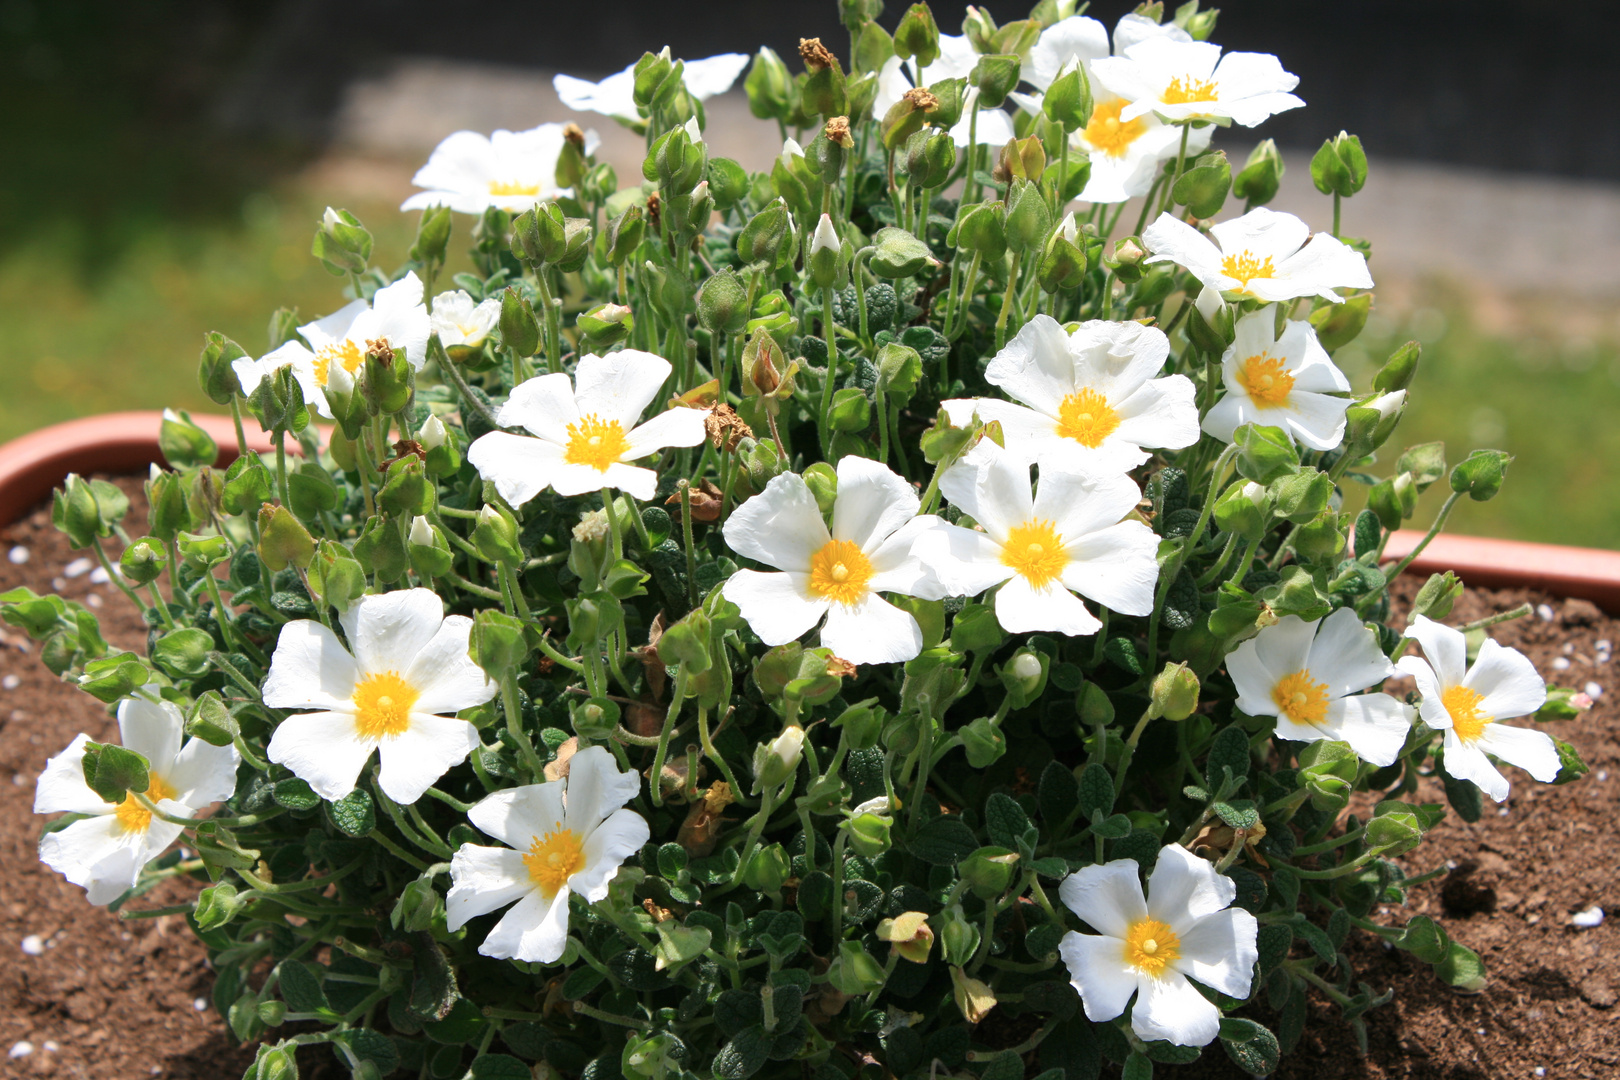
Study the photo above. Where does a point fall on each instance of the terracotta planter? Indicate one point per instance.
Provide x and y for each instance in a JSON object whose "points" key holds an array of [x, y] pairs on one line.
{"points": [[30, 466]]}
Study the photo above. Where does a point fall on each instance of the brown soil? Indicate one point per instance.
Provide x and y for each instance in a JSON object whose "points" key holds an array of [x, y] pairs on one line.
{"points": [[116, 998]]}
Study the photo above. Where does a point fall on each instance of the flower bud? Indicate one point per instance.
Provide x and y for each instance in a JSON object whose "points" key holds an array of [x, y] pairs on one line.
{"points": [[604, 326], [143, 561], [1024, 676], [595, 720], [1321, 539], [988, 871], [1399, 370], [1393, 500], [1481, 474], [910, 935], [1068, 100], [825, 253], [274, 1063], [981, 229], [1262, 173], [768, 237], [623, 234], [1328, 770], [165, 500], [1063, 263], [657, 77], [763, 461], [215, 375], [1126, 262], [722, 303], [336, 577], [380, 550], [272, 1013], [869, 833], [952, 98], [907, 116], [1028, 219], [983, 742], [283, 540], [86, 509], [432, 235], [418, 905], [767, 869], [1173, 694], [1245, 509], [994, 77], [822, 480], [1264, 453], [405, 490], [899, 254], [1303, 495], [930, 160], [917, 36], [979, 28], [520, 328], [1435, 599], [496, 536], [1340, 166], [776, 761], [1021, 159], [496, 644], [429, 551], [853, 971], [443, 456], [769, 87], [341, 243]]}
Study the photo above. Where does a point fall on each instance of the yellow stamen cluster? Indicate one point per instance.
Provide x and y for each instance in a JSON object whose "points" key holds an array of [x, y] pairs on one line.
{"points": [[1266, 381], [132, 816], [554, 858], [1035, 550], [1466, 718], [839, 572], [595, 442], [512, 187], [1087, 418], [1244, 267], [1301, 698], [1151, 946], [345, 353], [1108, 134], [1186, 91], [383, 705]]}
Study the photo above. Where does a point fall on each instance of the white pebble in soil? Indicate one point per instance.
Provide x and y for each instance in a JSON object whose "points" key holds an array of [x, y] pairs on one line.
{"points": [[1546, 612], [1560, 663], [1593, 690], [20, 1050], [1603, 774], [77, 568], [1541, 1070], [33, 945], [50, 1046], [1586, 920], [93, 600], [18, 555], [1569, 647], [58, 584], [11, 682], [200, 1004]]}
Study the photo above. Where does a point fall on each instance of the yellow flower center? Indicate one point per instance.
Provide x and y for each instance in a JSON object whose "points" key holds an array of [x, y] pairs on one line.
{"points": [[1185, 91], [1151, 946], [1106, 133], [382, 705], [1245, 268], [1301, 698], [132, 816], [554, 858], [595, 442], [512, 187], [839, 571], [1087, 418], [1266, 381], [344, 352], [1466, 719], [1035, 550]]}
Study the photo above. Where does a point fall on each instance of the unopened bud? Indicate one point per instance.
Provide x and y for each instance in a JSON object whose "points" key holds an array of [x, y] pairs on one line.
{"points": [[1174, 692]]}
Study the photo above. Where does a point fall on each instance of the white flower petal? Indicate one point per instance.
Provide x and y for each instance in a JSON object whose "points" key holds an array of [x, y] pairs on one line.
{"points": [[1346, 656], [1506, 680], [1253, 679], [1262, 233], [1431, 703], [444, 675], [1169, 1008], [584, 479], [543, 405], [872, 631], [1220, 949], [1161, 413], [596, 788], [387, 630], [1067, 42], [518, 466], [519, 816], [620, 385], [1184, 888], [203, 774], [777, 607], [713, 75], [334, 328], [1314, 420], [1285, 646], [1021, 608], [98, 855], [310, 669], [1117, 567], [1375, 726], [1030, 436], [1036, 367], [872, 502], [61, 787], [781, 526], [427, 749], [1445, 648], [1098, 973], [1108, 896], [1468, 762], [672, 427], [1172, 240], [322, 749], [992, 485], [964, 561], [400, 317], [617, 838], [897, 567], [1533, 751], [535, 930], [483, 879]]}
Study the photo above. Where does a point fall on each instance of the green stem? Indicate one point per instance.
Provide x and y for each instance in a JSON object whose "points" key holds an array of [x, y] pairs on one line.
{"points": [[1007, 301]]}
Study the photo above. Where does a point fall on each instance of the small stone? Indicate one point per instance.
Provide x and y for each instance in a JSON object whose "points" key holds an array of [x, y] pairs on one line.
{"points": [[93, 600], [58, 583], [50, 1046], [200, 1004], [1603, 645], [1577, 612], [33, 945], [18, 555], [1603, 774], [1560, 663], [77, 568], [1597, 992], [1541, 1070], [1593, 690], [99, 576], [20, 1049], [1586, 920], [11, 682], [1545, 612]]}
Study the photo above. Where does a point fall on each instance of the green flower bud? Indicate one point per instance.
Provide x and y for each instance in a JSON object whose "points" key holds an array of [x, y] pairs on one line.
{"points": [[1425, 461], [1028, 219], [1394, 829], [995, 77], [380, 550], [1393, 500], [1202, 189], [390, 380], [980, 29], [1016, 38], [432, 235], [406, 490], [1198, 24], [1339, 324], [1399, 370], [851, 410], [623, 235], [1340, 166], [826, 255], [657, 77], [341, 243], [1328, 771], [768, 869], [1068, 101], [496, 644], [686, 643], [418, 905], [768, 237], [900, 369], [217, 905], [279, 401], [822, 480], [443, 455], [1093, 706], [1264, 453], [917, 36], [862, 724], [1435, 599], [211, 721], [1024, 676], [143, 561], [283, 326], [722, 303], [86, 509], [166, 503], [975, 629], [869, 832], [899, 254], [336, 577], [1244, 508], [1303, 495], [981, 228], [1481, 474], [1262, 174], [1462, 968], [1063, 263], [1022, 159], [429, 551], [215, 375], [853, 971], [958, 935], [763, 461], [496, 536], [822, 91], [595, 719], [1322, 539], [769, 87], [907, 116], [776, 761], [1369, 424], [520, 328], [983, 742], [988, 871], [728, 182], [1126, 261], [930, 161], [283, 540], [675, 163], [1173, 693], [274, 1062]]}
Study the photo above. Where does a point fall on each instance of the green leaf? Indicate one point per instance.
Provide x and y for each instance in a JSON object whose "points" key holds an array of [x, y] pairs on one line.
{"points": [[294, 794], [1241, 816], [743, 1056], [1570, 765], [379, 1049], [1006, 1065], [1096, 791], [1113, 827], [112, 771], [944, 841], [1273, 942], [462, 1024], [1230, 750], [1463, 796], [354, 814], [1058, 792], [183, 653], [1182, 604], [1252, 1046], [1425, 939], [301, 987], [1137, 1067], [433, 984], [1005, 820], [1120, 652], [499, 1067], [1461, 967]]}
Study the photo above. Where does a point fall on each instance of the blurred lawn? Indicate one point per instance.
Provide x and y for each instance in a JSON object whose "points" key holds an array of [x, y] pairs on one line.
{"points": [[126, 336]]}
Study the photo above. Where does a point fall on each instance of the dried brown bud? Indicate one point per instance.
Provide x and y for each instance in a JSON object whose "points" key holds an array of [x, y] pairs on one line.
{"points": [[378, 349], [838, 667], [706, 502], [574, 134], [654, 207], [659, 914], [558, 768], [725, 428], [837, 130], [920, 99], [815, 55], [701, 829]]}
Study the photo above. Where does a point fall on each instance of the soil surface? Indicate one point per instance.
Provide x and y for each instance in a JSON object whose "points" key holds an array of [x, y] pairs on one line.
{"points": [[97, 996]]}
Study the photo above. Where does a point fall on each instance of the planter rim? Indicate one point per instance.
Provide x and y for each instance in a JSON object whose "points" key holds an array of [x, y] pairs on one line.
{"points": [[32, 465]]}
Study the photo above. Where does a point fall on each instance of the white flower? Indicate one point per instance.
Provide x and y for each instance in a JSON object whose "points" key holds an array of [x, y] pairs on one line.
{"points": [[1125, 155], [1067, 539], [1191, 80], [470, 172], [1184, 928], [459, 321], [421, 531], [433, 434], [395, 320], [956, 60], [565, 836], [409, 666], [1263, 255], [1308, 678], [615, 95], [837, 573], [825, 238], [1077, 41], [1093, 403], [105, 851], [1386, 404], [584, 432], [1285, 382], [1466, 703]]}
